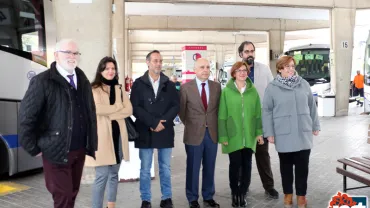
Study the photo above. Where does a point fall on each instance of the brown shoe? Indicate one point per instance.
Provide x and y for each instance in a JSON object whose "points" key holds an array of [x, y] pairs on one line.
{"points": [[301, 201], [288, 200]]}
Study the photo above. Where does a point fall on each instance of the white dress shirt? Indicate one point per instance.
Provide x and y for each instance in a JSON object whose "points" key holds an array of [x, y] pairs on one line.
{"points": [[155, 84], [64, 74], [206, 87]]}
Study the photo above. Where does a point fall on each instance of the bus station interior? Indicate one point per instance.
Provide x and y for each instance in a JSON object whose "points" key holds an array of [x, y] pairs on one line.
{"points": [[128, 30]]}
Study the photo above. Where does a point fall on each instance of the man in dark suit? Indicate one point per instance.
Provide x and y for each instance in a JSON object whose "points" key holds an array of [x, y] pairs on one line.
{"points": [[199, 100], [155, 103]]}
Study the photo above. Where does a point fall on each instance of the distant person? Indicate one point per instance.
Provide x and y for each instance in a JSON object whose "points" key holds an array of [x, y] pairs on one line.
{"points": [[155, 102], [58, 122], [260, 74], [177, 83], [240, 129], [290, 119], [358, 83], [112, 107]]}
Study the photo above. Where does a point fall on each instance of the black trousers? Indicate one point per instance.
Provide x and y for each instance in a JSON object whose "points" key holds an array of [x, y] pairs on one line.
{"points": [[301, 162], [264, 165], [240, 170]]}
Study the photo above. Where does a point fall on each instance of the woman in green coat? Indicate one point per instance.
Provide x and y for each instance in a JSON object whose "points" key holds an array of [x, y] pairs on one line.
{"points": [[239, 129]]}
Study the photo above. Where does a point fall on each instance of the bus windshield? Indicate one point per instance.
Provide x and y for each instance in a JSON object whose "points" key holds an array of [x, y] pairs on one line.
{"points": [[312, 65]]}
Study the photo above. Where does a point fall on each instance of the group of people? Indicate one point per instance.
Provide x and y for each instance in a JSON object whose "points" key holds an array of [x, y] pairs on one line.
{"points": [[72, 123]]}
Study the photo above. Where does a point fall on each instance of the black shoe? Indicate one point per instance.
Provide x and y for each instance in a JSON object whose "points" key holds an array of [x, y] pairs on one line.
{"points": [[362, 104], [235, 200], [167, 203], [146, 204], [243, 200], [194, 204], [272, 193], [210, 203]]}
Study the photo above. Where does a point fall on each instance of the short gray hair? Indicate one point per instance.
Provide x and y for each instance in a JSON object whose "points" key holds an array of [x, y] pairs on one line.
{"points": [[62, 42]]}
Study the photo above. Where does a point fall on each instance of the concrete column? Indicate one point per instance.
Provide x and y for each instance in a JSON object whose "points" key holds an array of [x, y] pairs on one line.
{"points": [[342, 29], [276, 43], [238, 40], [220, 59], [118, 37], [90, 25]]}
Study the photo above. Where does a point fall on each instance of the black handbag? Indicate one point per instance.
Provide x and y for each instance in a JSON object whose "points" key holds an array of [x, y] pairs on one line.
{"points": [[132, 133]]}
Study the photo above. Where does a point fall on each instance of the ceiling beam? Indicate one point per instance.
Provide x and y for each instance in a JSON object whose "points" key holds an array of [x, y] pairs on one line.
{"points": [[325, 4], [220, 23]]}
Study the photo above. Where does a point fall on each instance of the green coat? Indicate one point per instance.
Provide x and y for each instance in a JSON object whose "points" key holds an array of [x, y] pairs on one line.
{"points": [[239, 117]]}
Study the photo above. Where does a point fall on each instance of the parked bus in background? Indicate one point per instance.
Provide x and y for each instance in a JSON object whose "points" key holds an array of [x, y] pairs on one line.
{"points": [[25, 50]]}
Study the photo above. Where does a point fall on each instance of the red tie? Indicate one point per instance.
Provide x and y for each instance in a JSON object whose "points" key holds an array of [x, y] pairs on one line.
{"points": [[204, 96]]}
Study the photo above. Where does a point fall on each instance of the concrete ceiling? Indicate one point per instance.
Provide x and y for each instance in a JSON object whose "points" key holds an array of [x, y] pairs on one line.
{"points": [[168, 9]]}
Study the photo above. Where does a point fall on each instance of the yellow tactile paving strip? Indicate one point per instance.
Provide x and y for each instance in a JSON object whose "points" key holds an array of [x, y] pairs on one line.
{"points": [[8, 188]]}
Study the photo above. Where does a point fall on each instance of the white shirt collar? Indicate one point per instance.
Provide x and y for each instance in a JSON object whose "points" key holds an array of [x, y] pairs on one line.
{"points": [[152, 80], [200, 82], [64, 72]]}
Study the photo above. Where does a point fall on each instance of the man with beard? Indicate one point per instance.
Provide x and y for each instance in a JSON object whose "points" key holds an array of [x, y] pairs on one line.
{"points": [[261, 76], [58, 122], [155, 103]]}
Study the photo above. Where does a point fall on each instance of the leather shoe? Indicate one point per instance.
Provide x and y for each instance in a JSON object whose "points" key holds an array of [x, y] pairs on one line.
{"points": [[243, 200], [194, 204], [146, 204], [167, 203], [272, 193], [235, 200], [210, 203]]}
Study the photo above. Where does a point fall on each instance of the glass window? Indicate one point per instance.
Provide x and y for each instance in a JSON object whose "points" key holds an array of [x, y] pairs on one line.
{"points": [[22, 29], [312, 64], [367, 65]]}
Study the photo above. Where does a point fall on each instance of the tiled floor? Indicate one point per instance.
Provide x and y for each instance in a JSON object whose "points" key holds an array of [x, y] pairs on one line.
{"points": [[340, 137]]}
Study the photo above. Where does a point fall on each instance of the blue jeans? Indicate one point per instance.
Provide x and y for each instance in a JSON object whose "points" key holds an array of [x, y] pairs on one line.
{"points": [[105, 174], [164, 161]]}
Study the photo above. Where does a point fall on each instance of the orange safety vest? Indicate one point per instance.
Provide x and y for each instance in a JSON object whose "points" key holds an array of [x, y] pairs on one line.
{"points": [[359, 81]]}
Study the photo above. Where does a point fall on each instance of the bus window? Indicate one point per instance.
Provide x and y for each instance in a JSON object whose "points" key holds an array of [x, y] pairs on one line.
{"points": [[312, 64], [22, 29]]}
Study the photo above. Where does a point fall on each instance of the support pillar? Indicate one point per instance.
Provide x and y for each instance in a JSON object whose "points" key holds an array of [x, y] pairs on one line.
{"points": [[276, 43], [89, 25], [342, 22], [118, 37]]}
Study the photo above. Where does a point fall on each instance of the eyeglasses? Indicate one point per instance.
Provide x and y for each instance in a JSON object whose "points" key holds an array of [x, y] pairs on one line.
{"points": [[70, 53], [241, 71]]}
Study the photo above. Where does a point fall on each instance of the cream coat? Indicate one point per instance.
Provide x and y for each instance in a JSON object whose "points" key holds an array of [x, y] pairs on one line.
{"points": [[105, 113]]}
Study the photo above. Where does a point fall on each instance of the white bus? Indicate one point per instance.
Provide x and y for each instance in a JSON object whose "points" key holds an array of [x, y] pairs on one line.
{"points": [[24, 44]]}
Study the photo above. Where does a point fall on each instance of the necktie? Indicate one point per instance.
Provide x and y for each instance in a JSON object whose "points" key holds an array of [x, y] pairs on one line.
{"points": [[71, 81], [204, 96]]}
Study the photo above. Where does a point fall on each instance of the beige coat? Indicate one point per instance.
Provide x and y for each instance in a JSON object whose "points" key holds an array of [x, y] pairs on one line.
{"points": [[105, 113]]}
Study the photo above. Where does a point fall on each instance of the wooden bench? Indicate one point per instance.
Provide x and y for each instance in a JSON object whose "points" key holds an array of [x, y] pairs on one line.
{"points": [[359, 163]]}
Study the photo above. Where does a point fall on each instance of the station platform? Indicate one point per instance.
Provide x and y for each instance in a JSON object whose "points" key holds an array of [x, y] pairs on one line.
{"points": [[340, 137]]}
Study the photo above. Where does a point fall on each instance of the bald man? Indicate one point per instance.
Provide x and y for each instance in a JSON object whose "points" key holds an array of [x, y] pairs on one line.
{"points": [[199, 100]]}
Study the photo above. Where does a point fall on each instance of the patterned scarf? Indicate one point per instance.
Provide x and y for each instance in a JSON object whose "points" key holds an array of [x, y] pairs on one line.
{"points": [[288, 81]]}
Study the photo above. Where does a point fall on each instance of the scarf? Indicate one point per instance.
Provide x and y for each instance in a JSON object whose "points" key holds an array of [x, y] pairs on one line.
{"points": [[288, 81], [115, 126], [111, 83]]}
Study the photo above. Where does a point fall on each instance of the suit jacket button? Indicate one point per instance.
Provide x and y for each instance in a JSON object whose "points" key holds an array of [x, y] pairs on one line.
{"points": [[65, 160]]}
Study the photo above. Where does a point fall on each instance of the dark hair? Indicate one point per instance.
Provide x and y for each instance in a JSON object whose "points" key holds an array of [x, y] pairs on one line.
{"points": [[236, 66], [149, 54], [101, 67], [241, 47]]}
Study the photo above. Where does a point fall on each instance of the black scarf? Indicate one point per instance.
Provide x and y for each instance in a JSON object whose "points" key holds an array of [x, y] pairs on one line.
{"points": [[112, 83], [115, 126]]}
